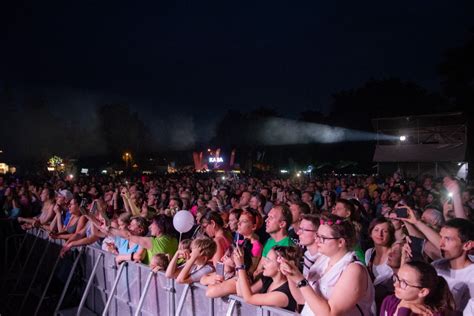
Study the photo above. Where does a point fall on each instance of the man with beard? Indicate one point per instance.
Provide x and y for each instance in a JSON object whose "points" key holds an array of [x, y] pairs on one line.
{"points": [[457, 240]]}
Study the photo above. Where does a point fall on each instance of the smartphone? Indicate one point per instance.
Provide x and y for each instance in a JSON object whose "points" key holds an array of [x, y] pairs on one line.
{"points": [[401, 212], [236, 238], [417, 246], [220, 268], [94, 207]]}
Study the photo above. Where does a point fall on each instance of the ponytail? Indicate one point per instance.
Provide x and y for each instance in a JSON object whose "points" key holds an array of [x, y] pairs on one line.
{"points": [[440, 297]]}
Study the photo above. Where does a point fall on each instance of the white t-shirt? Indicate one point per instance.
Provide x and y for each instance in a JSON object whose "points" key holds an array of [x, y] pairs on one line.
{"points": [[460, 281], [382, 271], [308, 261], [323, 282], [469, 310]]}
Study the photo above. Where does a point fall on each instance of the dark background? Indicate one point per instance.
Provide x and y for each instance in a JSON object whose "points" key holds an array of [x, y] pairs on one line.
{"points": [[95, 78]]}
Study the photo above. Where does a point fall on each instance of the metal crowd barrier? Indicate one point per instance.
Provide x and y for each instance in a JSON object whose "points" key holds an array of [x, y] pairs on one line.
{"points": [[129, 289]]}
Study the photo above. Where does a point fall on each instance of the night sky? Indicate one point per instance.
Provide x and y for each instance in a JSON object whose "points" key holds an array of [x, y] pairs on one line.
{"points": [[193, 60]]}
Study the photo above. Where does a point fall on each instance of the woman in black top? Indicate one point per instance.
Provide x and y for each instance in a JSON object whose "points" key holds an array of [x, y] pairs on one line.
{"points": [[272, 289]]}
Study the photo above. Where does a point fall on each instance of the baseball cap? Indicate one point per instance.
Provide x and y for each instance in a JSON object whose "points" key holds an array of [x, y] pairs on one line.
{"points": [[66, 194]]}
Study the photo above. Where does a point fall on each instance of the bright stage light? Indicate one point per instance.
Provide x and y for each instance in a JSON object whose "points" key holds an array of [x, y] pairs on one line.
{"points": [[403, 138]]}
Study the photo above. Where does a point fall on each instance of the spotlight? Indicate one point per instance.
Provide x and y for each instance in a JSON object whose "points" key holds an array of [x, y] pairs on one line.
{"points": [[450, 194], [403, 138]]}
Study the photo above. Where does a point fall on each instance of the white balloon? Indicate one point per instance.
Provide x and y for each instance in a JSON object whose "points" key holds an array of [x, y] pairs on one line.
{"points": [[183, 221]]}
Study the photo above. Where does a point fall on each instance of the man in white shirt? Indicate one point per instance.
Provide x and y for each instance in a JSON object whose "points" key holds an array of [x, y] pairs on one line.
{"points": [[457, 239]]}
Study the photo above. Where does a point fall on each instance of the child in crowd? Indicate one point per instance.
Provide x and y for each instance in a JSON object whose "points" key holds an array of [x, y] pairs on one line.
{"points": [[159, 262], [197, 265], [223, 281]]}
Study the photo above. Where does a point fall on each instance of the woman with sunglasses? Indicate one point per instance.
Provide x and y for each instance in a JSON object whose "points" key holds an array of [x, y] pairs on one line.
{"points": [[337, 283], [418, 290]]}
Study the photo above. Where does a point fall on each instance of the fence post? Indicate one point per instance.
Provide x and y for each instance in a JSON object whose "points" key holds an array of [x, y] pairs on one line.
{"points": [[89, 284], [25, 298], [145, 291], [69, 278], [114, 287]]}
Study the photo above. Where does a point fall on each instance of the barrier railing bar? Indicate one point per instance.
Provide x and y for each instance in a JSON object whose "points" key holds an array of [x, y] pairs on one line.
{"points": [[145, 291], [17, 254], [24, 267], [182, 299], [47, 285], [35, 274], [171, 297], [89, 284], [211, 307], [231, 307], [114, 287], [277, 310], [69, 278]]}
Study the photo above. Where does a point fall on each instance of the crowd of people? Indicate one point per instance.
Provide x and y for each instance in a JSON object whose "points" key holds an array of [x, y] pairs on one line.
{"points": [[332, 245]]}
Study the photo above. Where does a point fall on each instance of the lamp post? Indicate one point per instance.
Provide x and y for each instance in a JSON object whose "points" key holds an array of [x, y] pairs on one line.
{"points": [[127, 157]]}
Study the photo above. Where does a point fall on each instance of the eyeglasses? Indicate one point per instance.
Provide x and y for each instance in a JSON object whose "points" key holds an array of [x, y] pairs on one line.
{"points": [[324, 238], [301, 229], [402, 283]]}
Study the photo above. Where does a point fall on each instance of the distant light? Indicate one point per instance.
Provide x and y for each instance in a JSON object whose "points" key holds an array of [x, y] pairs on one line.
{"points": [[216, 159], [104, 171], [298, 174], [403, 138], [223, 178], [50, 168], [71, 176], [459, 163], [283, 171], [209, 149], [450, 194], [84, 170]]}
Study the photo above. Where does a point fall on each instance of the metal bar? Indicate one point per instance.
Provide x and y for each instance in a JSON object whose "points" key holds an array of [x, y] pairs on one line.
{"points": [[24, 266], [17, 254], [4, 283], [35, 275], [89, 284], [69, 278], [114, 287], [231, 307], [182, 299], [47, 285], [145, 291], [171, 297], [211, 306]]}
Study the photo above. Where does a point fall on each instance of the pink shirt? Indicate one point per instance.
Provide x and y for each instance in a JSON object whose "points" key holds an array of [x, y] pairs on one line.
{"points": [[257, 248]]}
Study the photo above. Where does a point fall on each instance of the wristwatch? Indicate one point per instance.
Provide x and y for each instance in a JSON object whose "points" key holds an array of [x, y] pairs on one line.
{"points": [[302, 283], [241, 267]]}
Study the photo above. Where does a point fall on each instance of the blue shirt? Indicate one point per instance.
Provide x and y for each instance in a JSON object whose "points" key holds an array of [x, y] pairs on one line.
{"points": [[67, 217], [122, 246]]}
